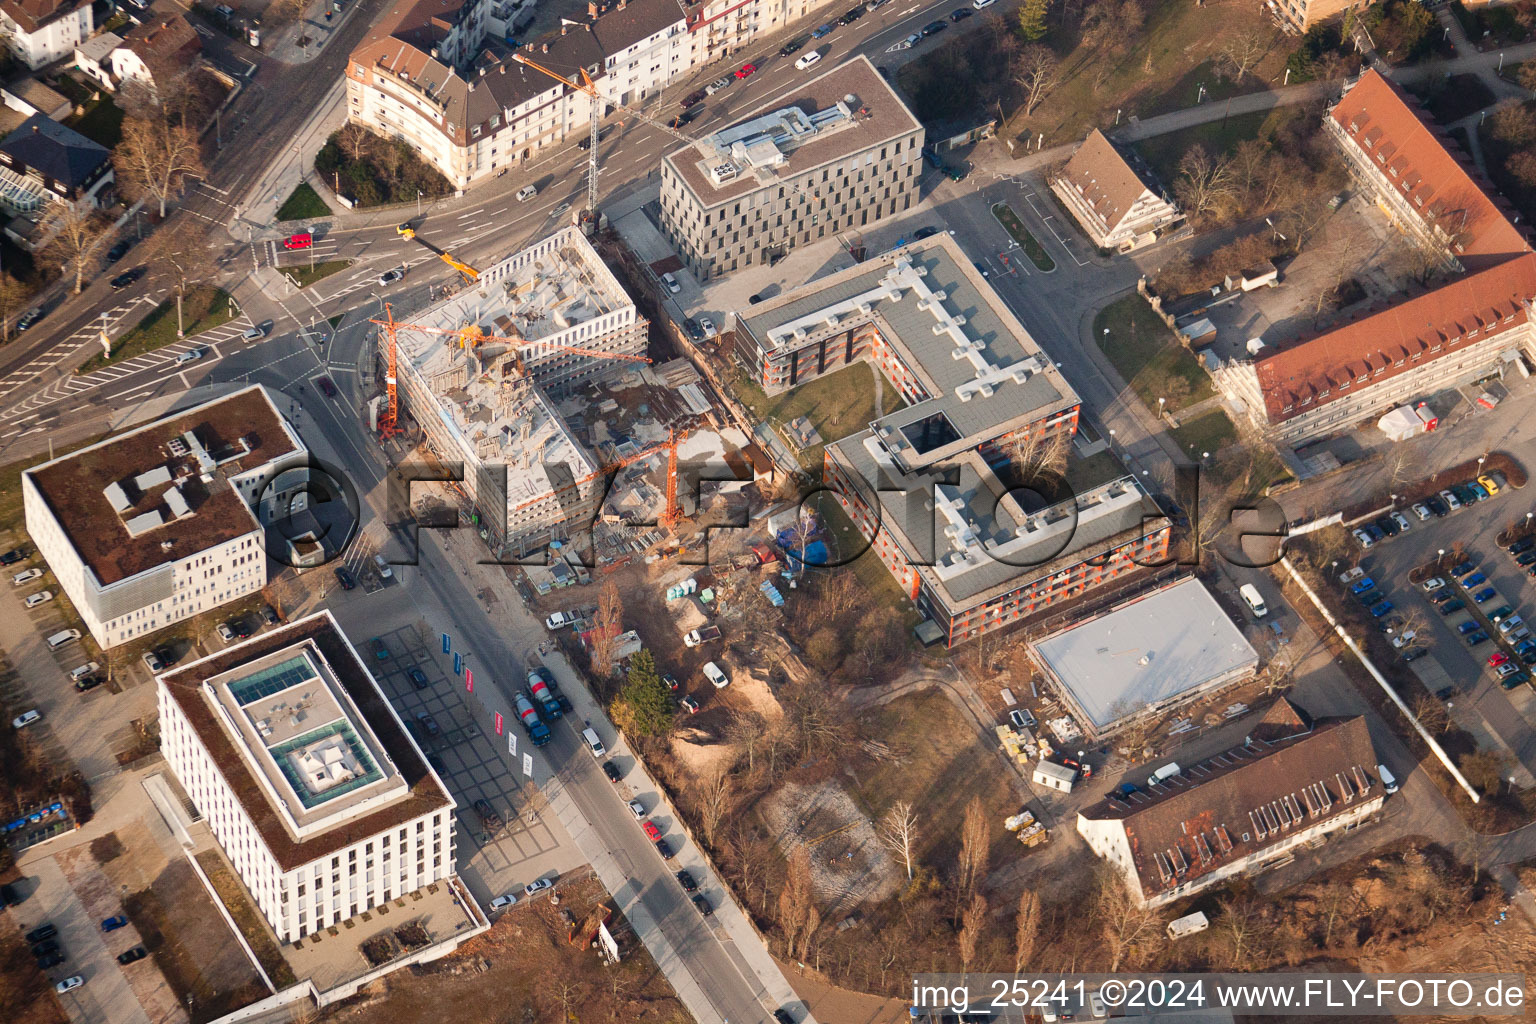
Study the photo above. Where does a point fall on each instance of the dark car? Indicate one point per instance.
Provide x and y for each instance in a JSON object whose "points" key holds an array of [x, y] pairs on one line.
{"points": [[612, 771], [925, 232], [345, 578], [1446, 692], [326, 387], [1442, 596], [664, 849], [127, 278], [782, 1016], [1414, 653], [822, 31], [1387, 525], [379, 650], [419, 679], [789, 48], [113, 923], [29, 318], [1376, 533], [703, 905], [1473, 580], [136, 953], [1522, 545], [1500, 613], [1369, 597], [694, 330], [41, 932], [851, 16], [1452, 606], [428, 723], [119, 250], [1484, 595], [685, 880], [934, 27], [686, 117], [269, 614], [697, 96], [960, 14], [585, 142], [1476, 638], [1526, 559], [1437, 508], [1378, 610], [45, 947], [85, 683], [13, 556], [1463, 568], [485, 810], [51, 960]]}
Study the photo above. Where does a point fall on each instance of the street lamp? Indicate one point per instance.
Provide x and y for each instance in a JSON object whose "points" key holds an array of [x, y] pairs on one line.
{"points": [[1160, 402], [418, 202], [1441, 559]]}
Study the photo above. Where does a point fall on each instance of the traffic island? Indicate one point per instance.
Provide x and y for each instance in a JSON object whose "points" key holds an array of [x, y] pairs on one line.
{"points": [[1028, 242]]}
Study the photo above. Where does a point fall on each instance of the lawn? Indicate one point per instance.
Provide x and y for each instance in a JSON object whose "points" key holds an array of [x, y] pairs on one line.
{"points": [[1149, 357], [1208, 432], [304, 204], [837, 405], [1031, 245], [304, 276], [101, 123], [1163, 152], [240, 906], [875, 579], [203, 308], [1451, 99]]}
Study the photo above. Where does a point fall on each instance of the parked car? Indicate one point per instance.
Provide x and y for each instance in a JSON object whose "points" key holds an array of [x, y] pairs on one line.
{"points": [[1497, 658], [538, 886], [428, 723], [132, 955], [418, 678], [715, 675], [45, 947], [503, 902], [29, 318], [934, 28], [1433, 583], [51, 960], [26, 718], [689, 704], [1522, 545], [1401, 521], [1404, 638], [1484, 595], [1362, 537], [1489, 484], [71, 983], [637, 809], [13, 556], [960, 14], [1500, 612], [702, 905], [1437, 507], [612, 771], [41, 597], [41, 932], [127, 278], [1477, 638], [1452, 606], [1422, 511], [1414, 653], [1474, 580], [664, 848], [852, 15], [1387, 525], [1377, 533], [1478, 490], [1378, 610], [1361, 586], [345, 578], [26, 576], [651, 831], [380, 651], [87, 683], [112, 924], [1442, 595]]}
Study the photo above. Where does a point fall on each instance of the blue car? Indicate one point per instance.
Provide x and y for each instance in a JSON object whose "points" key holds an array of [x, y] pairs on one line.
{"points": [[1464, 568], [1361, 586], [1377, 533], [1476, 638], [824, 30], [1479, 490], [1474, 580], [112, 924], [1466, 627], [1377, 611], [1486, 594], [1526, 646]]}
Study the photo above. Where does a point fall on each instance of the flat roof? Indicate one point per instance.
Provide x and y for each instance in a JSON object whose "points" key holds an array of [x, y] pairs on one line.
{"points": [[1149, 651], [334, 721], [161, 492], [982, 370], [875, 115]]}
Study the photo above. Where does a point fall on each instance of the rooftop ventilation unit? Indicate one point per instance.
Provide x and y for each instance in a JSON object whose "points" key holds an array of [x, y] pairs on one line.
{"points": [[722, 173]]}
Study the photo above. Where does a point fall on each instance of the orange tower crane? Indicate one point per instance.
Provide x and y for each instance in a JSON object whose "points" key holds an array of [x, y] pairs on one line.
{"points": [[389, 423]]}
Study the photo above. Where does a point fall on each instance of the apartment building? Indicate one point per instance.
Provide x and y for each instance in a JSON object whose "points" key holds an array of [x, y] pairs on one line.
{"points": [[973, 554], [165, 521], [421, 76], [844, 153], [486, 403], [721, 28], [40, 32], [1297, 16], [1294, 782], [1114, 198], [305, 775], [1476, 324]]}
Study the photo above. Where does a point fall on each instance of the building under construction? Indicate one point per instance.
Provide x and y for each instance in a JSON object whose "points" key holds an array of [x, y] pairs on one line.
{"points": [[479, 383]]}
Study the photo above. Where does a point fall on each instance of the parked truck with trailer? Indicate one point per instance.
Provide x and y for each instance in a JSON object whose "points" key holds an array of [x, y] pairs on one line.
{"points": [[538, 732]]}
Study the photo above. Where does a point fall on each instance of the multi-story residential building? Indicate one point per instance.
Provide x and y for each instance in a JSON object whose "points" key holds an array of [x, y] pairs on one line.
{"points": [[1293, 782], [919, 482], [720, 28], [162, 48], [1476, 324], [1115, 199], [1300, 15], [482, 402], [43, 162], [40, 32], [420, 77], [318, 796], [845, 153], [165, 521]]}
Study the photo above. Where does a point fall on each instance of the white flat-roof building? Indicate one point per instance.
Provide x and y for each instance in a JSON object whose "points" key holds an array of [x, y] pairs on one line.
{"points": [[483, 402], [321, 800], [164, 521], [1145, 657]]}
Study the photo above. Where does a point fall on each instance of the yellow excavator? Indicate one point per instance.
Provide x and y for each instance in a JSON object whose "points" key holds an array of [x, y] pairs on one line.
{"points": [[470, 273]]}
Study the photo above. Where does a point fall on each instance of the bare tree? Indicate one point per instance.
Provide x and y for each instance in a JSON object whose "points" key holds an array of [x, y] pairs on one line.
{"points": [[1127, 927], [1526, 76], [973, 924], [1486, 769], [1243, 52], [975, 851], [155, 158], [716, 797], [606, 628], [748, 729], [13, 296], [72, 229], [899, 832], [1431, 712], [1026, 930], [797, 900], [1204, 183], [1242, 927], [178, 249], [1039, 453], [1036, 72]]}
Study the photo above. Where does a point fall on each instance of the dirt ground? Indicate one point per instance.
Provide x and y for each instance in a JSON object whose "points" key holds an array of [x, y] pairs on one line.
{"points": [[848, 864], [523, 971]]}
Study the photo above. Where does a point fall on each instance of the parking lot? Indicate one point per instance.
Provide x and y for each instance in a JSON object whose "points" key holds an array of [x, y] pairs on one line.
{"points": [[1451, 615]]}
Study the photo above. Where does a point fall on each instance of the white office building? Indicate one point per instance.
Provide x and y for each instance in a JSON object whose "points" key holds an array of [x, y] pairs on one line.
{"points": [[164, 521], [306, 776]]}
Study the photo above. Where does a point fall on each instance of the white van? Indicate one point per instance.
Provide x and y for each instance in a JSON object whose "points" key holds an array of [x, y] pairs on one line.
{"points": [[77, 674], [385, 572], [589, 737], [1253, 600], [979, 4], [810, 60], [1387, 781], [62, 637], [526, 193]]}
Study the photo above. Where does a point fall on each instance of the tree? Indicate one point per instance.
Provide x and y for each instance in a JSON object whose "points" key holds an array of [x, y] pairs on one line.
{"points": [[155, 158], [72, 230], [1526, 76], [606, 628], [797, 901], [1039, 454], [748, 729], [13, 296], [715, 798], [645, 696], [1243, 929], [1036, 71], [1204, 182], [1486, 769], [179, 250], [973, 924], [1521, 165], [899, 832], [975, 850], [1514, 125], [880, 639], [1026, 931], [1243, 51], [1128, 928], [1032, 20], [1430, 712]]}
